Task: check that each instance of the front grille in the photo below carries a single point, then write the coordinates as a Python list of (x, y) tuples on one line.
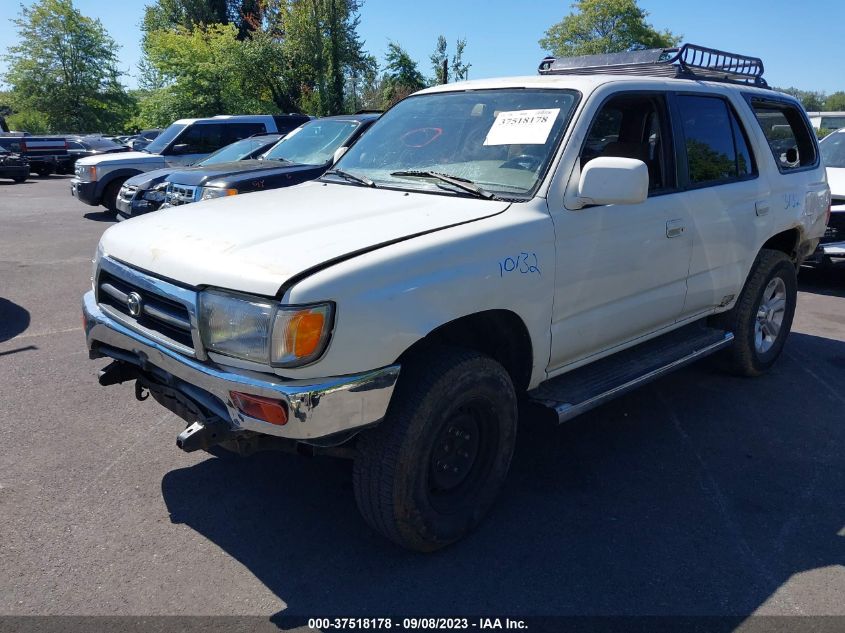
[(179, 194), (167, 318), (127, 193), (835, 228)]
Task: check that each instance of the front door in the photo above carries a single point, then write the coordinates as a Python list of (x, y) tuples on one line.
[(621, 270)]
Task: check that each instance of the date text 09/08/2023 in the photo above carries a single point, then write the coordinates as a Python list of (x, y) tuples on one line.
[(411, 624)]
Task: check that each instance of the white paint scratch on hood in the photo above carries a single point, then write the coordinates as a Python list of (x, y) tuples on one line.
[(255, 242)]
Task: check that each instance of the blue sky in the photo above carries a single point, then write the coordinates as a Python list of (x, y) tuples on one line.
[(802, 45)]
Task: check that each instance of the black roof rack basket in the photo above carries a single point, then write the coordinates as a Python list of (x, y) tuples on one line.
[(690, 61)]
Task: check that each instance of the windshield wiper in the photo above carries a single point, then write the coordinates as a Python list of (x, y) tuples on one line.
[(456, 181), (350, 177)]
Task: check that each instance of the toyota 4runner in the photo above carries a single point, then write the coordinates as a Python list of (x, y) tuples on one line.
[(561, 238)]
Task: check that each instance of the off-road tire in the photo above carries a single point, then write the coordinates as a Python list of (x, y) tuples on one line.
[(20, 180), (743, 358), (398, 488)]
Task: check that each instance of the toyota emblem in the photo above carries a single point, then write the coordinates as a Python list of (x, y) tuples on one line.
[(133, 302)]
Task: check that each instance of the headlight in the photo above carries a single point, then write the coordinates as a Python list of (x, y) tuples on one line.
[(156, 194), (86, 173), (207, 193), (261, 330)]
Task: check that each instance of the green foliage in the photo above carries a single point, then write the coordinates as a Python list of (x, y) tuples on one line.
[(63, 70), (401, 76), (811, 100), (457, 71), (29, 121), (835, 102), (822, 132), (604, 26)]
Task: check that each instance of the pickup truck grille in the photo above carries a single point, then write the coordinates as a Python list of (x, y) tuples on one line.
[(140, 305), (835, 228), (179, 194)]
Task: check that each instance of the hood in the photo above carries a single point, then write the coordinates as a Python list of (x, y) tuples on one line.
[(150, 179), (233, 170), (122, 158), (836, 180), (256, 242)]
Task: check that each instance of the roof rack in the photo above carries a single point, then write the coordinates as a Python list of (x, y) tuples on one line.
[(690, 61)]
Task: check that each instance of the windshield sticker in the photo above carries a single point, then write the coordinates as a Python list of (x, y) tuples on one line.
[(522, 127)]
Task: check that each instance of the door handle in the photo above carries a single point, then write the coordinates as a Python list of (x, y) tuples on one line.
[(675, 228), (761, 207)]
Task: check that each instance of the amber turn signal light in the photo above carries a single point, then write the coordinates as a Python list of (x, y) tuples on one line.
[(267, 409)]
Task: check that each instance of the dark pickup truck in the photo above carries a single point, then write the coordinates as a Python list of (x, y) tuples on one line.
[(304, 154), (46, 155)]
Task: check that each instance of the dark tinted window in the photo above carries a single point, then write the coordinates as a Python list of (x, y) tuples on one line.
[(203, 138), (237, 131), (793, 144), (715, 145)]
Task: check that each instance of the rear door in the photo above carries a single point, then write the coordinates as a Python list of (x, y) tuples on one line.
[(727, 200)]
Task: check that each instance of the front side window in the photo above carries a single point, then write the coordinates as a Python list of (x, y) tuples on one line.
[(716, 148), (833, 150), (313, 143), (792, 143), (236, 151), (501, 140), (201, 138), (634, 126)]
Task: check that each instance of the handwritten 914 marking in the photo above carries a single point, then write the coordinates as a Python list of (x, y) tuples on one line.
[(523, 263)]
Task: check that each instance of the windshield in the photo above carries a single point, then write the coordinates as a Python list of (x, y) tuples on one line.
[(236, 151), (100, 143), (313, 143), (164, 139), (833, 149), (501, 140)]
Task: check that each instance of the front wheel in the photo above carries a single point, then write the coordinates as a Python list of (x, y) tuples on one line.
[(762, 317), (110, 195), (428, 474)]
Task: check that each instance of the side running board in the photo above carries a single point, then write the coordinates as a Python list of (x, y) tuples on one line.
[(582, 389)]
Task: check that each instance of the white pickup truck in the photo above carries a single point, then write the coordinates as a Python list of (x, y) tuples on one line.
[(562, 238)]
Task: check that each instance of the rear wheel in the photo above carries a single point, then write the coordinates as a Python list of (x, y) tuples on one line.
[(43, 172), (762, 317), (428, 474)]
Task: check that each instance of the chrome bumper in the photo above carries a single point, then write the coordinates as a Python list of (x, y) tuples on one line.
[(316, 407)]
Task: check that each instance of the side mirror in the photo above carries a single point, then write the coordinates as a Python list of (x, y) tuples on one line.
[(340, 151), (181, 148), (613, 180)]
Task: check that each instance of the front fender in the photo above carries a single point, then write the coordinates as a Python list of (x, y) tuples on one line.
[(390, 298), (111, 176)]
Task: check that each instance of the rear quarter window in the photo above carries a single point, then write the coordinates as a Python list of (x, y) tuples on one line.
[(792, 142)]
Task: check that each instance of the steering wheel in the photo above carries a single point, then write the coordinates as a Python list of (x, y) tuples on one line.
[(523, 161)]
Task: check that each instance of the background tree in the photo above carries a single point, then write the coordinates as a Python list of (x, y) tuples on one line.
[(401, 76), (63, 71), (811, 100), (835, 102), (605, 26), (458, 71)]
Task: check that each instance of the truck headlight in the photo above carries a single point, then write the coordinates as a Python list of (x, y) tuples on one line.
[(209, 193), (156, 194), (86, 173), (261, 330)]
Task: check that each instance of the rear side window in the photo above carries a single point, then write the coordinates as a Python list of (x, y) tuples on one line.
[(716, 148), (237, 131), (792, 143)]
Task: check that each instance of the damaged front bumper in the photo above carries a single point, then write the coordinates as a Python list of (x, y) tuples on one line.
[(317, 408)]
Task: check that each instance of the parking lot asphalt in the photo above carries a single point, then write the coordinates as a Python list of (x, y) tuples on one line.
[(698, 494)]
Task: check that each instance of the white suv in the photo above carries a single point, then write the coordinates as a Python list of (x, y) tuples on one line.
[(99, 178), (561, 238)]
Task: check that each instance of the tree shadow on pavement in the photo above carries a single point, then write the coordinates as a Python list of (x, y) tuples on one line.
[(700, 494), (13, 319)]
